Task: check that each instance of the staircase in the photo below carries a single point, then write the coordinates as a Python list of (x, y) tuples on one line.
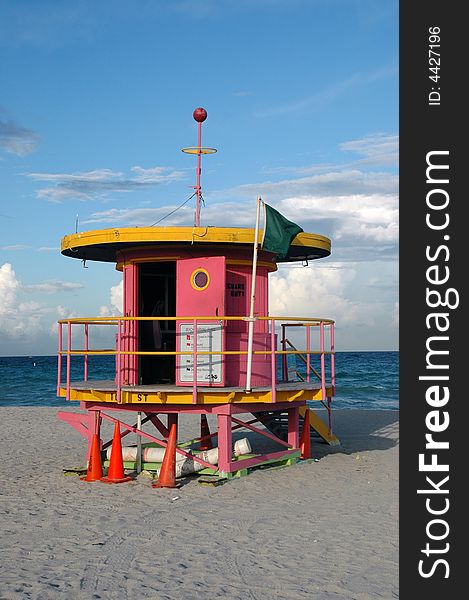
[(278, 425)]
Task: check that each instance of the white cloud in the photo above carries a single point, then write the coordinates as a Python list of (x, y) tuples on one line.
[(63, 312), (378, 149), (23, 323), (364, 321), (17, 319), (371, 217), (312, 292), (333, 183), (329, 93), (156, 174), (53, 286), (15, 247), (116, 300), (117, 297), (97, 184), (9, 285), (17, 140)]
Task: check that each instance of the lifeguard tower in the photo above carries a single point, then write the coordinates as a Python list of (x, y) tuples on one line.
[(195, 337)]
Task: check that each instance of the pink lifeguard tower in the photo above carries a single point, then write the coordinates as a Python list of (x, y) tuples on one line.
[(184, 345)]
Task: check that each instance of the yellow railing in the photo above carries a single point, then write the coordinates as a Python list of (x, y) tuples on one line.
[(124, 324)]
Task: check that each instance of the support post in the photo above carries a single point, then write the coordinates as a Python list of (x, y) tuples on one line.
[(139, 443), (225, 442), (293, 425), (172, 420), (253, 297), (198, 189)]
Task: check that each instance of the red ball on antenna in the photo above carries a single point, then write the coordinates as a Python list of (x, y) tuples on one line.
[(200, 114)]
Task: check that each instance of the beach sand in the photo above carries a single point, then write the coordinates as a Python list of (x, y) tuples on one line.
[(320, 530)]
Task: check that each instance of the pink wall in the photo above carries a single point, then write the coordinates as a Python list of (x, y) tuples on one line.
[(236, 286)]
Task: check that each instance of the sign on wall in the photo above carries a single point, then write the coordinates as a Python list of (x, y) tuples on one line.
[(209, 366)]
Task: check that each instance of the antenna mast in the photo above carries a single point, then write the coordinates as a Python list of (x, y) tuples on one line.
[(199, 114)]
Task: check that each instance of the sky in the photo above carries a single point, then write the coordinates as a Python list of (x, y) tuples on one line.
[(96, 104)]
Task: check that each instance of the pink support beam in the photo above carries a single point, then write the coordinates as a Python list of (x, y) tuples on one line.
[(158, 424), (225, 442), (86, 425), (124, 433), (256, 460), (293, 426), (160, 442), (266, 434)]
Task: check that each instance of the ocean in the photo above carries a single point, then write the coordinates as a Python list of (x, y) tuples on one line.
[(363, 379)]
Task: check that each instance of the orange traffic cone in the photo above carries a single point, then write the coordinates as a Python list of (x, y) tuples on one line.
[(305, 440), (204, 430), (115, 472), (167, 476), (95, 469)]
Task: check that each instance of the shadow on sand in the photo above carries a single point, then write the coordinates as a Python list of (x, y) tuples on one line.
[(358, 431)]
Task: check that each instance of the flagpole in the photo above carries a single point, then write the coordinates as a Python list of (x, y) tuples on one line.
[(251, 318)]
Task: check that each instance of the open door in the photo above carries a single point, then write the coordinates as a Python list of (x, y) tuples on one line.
[(157, 298), (200, 292)]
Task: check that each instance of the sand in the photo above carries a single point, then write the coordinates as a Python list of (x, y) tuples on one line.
[(321, 530)]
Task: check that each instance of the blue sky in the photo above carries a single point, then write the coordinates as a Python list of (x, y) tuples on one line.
[(97, 101)]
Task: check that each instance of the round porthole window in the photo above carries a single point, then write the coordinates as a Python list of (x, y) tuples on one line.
[(200, 279)]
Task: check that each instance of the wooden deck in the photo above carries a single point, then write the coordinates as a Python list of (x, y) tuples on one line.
[(106, 391)]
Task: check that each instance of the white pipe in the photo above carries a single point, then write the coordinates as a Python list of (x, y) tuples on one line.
[(130, 454), (253, 297), (186, 466)]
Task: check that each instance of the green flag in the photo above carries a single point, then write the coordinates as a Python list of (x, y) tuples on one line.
[(278, 232)]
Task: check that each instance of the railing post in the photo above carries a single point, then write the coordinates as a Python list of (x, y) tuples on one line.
[(194, 364), (323, 370), (273, 360), (118, 363), (308, 352), (284, 356), (329, 411), (69, 347), (59, 359), (85, 367)]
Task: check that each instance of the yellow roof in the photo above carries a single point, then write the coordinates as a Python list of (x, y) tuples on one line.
[(103, 244)]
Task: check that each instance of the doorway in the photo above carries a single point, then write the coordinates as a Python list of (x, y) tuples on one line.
[(157, 297)]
